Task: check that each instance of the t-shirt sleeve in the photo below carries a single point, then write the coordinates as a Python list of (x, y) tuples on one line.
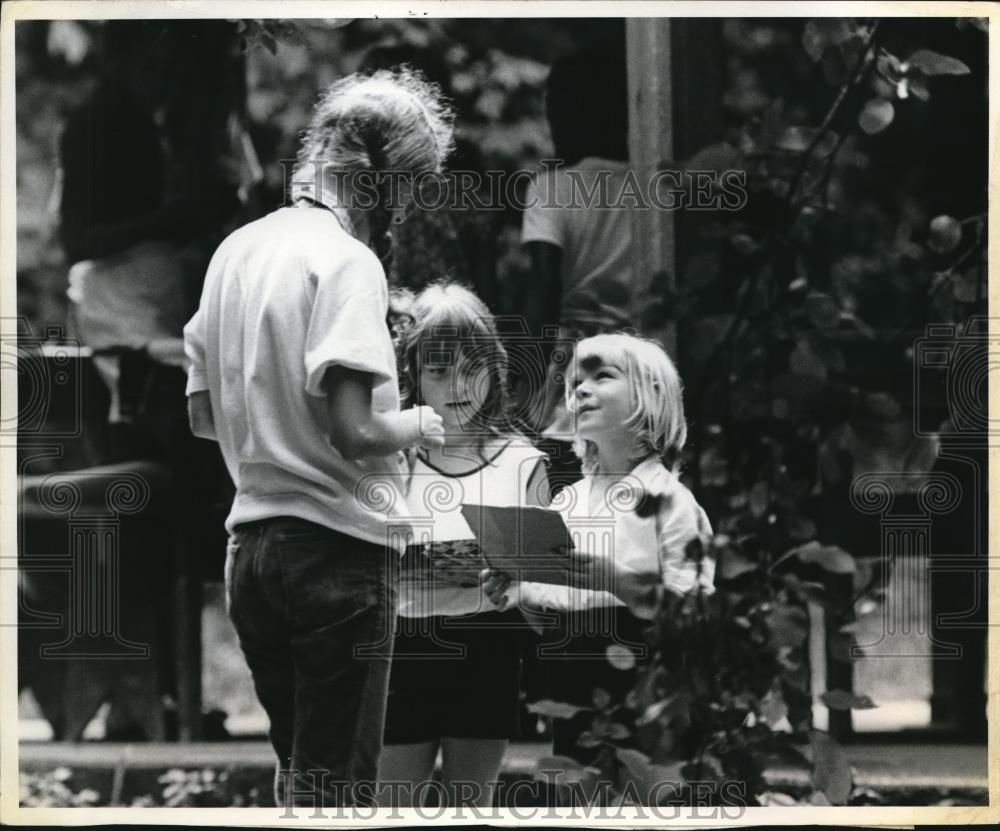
[(194, 349), (347, 324), (541, 221)]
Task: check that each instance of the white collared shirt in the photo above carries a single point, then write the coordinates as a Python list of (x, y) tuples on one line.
[(612, 528)]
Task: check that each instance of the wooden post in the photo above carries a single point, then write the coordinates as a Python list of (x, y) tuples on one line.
[(651, 129), (675, 87)]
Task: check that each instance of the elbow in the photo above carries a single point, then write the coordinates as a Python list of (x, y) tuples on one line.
[(202, 429), (352, 442)]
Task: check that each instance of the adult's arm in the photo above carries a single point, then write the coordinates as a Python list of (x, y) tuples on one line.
[(543, 294), (355, 430), (200, 417)]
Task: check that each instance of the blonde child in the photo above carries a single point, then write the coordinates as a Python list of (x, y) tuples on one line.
[(625, 397), (454, 684)]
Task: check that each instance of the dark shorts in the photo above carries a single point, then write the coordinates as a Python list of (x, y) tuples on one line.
[(455, 677)]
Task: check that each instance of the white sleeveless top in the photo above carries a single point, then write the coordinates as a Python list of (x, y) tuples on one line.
[(435, 501)]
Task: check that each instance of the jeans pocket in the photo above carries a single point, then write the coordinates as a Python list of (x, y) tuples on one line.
[(232, 550)]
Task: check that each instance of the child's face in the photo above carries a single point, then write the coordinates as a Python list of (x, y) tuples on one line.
[(456, 390), (602, 398)]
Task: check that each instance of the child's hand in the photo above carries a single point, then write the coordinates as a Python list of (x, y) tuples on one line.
[(496, 586), (637, 589), (431, 427)]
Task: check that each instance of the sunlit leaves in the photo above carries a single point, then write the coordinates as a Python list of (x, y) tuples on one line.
[(831, 558), (945, 234), (562, 770), (799, 139), (876, 115), (788, 625), (620, 657), (934, 63), (823, 32), (554, 709), (841, 700)]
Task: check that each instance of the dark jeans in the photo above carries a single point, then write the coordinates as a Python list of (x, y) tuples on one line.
[(315, 610)]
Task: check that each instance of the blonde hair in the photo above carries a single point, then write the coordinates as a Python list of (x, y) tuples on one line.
[(390, 121), (655, 392)]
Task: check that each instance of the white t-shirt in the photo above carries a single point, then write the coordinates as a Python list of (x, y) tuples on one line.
[(435, 501), (613, 529), (564, 207), (285, 298)]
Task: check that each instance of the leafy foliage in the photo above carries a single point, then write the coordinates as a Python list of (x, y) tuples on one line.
[(785, 307)]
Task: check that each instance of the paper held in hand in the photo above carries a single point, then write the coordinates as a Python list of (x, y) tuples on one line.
[(530, 544)]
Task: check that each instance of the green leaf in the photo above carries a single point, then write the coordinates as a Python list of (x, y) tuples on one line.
[(945, 234), (883, 405), (618, 732), (876, 115), (777, 799), (773, 707), (645, 773), (732, 564), (567, 771), (831, 771), (918, 87), (744, 244), (718, 157), (804, 361), (822, 32), (789, 626), (554, 709), (823, 310), (587, 739), (759, 499), (841, 700), (798, 140), (654, 711), (601, 698), (934, 63), (800, 528), (965, 286), (831, 558)]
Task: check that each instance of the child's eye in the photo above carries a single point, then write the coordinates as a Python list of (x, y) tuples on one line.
[(602, 374)]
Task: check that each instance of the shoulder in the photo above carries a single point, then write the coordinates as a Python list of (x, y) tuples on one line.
[(323, 250), (681, 510), (324, 246)]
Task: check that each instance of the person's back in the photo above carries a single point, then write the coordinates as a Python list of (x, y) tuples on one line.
[(577, 208), (287, 296)]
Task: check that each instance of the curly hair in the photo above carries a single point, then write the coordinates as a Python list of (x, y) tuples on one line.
[(450, 321), (389, 121)]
